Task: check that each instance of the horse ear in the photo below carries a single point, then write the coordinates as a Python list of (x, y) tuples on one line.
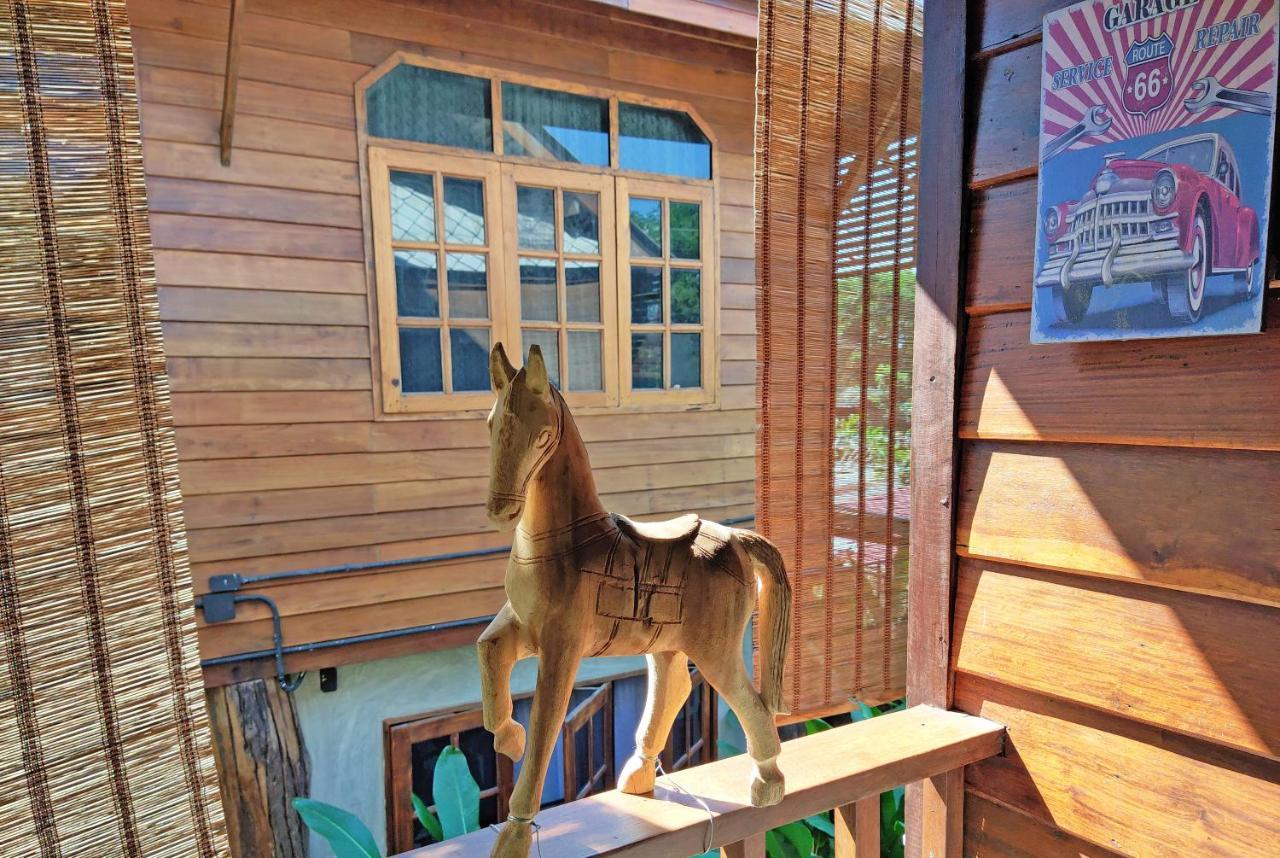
[(535, 372), (500, 369)]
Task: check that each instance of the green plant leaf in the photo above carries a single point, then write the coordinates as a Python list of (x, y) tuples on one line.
[(427, 818), (822, 822), (815, 725), (862, 712), (798, 836), (347, 836), (774, 848), (456, 793)]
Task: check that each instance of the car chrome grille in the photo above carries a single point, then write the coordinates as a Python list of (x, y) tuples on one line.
[(1097, 225)]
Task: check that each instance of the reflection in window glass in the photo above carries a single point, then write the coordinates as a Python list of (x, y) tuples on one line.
[(581, 223), (538, 290), (469, 353), (686, 296), (420, 369), (562, 126), (686, 230), (536, 218), (468, 285), (549, 342), (662, 141), (686, 360), (646, 360), (413, 206), (585, 361), (582, 290), (646, 295), (646, 227), (417, 283), (431, 106), (463, 211)]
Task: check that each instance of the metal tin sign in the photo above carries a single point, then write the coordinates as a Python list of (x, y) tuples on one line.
[(1156, 127)]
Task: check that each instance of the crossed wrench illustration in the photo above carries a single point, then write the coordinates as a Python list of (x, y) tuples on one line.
[(1094, 121), (1209, 93)]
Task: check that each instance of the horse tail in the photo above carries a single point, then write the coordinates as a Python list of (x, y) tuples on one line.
[(775, 616)]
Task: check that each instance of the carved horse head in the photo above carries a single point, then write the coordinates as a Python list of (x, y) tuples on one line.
[(524, 427)]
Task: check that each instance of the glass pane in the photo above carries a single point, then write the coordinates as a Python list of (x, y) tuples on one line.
[(413, 206), (549, 342), (662, 141), (686, 230), (469, 351), (538, 302), (431, 106), (581, 222), (646, 360), (686, 360), (420, 369), (646, 295), (468, 279), (417, 283), (561, 126), (584, 361), (646, 227), (686, 296), (536, 217), (463, 211), (582, 290)]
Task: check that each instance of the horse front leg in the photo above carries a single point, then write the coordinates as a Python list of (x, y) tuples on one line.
[(557, 668), (499, 648)]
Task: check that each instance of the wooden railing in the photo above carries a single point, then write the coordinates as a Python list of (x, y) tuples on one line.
[(845, 768)]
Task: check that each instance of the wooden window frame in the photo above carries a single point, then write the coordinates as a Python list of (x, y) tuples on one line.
[(398, 740), (390, 403)]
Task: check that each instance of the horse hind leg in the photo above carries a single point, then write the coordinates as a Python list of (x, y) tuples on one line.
[(669, 687), (728, 675)]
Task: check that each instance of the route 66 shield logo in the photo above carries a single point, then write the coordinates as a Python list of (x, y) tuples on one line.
[(1148, 79)]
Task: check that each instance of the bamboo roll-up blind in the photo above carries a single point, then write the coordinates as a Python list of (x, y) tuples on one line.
[(838, 100), (104, 743)]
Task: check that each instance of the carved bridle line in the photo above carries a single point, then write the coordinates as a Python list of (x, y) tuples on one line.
[(557, 434)]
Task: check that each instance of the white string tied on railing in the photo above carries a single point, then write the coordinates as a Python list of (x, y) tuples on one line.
[(710, 837)]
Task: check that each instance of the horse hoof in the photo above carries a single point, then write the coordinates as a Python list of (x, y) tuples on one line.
[(637, 776), (509, 740), (513, 841), (766, 793)]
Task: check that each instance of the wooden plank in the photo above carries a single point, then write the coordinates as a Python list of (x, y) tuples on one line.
[(752, 847), (269, 169), (1004, 23), (230, 374), (227, 339), (1006, 117), (232, 442), (198, 89), (858, 829), (230, 82), (221, 199), (1119, 784), (999, 265), (1116, 645), (209, 21), (194, 304), (219, 409), (994, 831), (238, 271), (823, 770), (231, 235), (1188, 519), (938, 333), (1193, 392), (178, 124)]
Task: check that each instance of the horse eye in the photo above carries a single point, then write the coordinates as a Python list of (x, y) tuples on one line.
[(544, 438)]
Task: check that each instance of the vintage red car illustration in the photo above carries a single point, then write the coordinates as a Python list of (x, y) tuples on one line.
[(1171, 217)]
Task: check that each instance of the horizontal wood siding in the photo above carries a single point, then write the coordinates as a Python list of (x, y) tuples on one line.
[(1118, 532), (266, 315)]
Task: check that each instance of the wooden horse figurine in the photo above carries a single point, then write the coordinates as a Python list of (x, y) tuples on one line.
[(583, 582)]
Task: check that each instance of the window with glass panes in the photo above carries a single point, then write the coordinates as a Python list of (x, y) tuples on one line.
[(516, 211)]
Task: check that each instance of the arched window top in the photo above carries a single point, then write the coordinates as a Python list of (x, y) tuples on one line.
[(417, 103)]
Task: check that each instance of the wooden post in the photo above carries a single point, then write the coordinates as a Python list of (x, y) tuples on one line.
[(858, 829), (752, 847), (934, 812), (262, 767), (231, 81)]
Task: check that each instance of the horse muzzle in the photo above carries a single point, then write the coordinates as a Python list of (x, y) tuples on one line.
[(504, 510)]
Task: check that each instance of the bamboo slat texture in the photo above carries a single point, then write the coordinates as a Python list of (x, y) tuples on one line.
[(838, 114), (104, 743)]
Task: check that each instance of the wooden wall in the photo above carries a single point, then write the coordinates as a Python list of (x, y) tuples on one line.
[(263, 295), (1118, 593)]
